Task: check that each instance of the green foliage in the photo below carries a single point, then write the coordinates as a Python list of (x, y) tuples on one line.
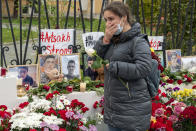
[(60, 86), (169, 26)]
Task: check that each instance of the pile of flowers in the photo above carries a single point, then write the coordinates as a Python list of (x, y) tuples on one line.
[(67, 86), (174, 109), (178, 77), (5, 116), (54, 112), (98, 105)]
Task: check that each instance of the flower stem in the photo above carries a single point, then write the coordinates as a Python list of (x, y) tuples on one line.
[(124, 85)]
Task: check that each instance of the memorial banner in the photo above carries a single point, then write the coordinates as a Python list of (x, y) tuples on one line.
[(57, 41), (156, 42), (90, 38)]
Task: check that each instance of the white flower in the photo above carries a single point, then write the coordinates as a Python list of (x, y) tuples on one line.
[(39, 104), (84, 120), (66, 102), (65, 79), (59, 105), (90, 51), (63, 97), (194, 92), (53, 120), (99, 116), (26, 120)]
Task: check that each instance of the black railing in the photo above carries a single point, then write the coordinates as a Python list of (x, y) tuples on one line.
[(182, 30)]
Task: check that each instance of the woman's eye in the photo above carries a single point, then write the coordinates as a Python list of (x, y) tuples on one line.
[(110, 19)]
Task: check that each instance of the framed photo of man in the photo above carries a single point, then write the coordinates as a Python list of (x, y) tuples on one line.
[(161, 56), (88, 70), (70, 66), (173, 60), (49, 68), (28, 73), (189, 63)]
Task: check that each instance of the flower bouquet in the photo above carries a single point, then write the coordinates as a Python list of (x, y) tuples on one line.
[(54, 113), (66, 87), (174, 110)]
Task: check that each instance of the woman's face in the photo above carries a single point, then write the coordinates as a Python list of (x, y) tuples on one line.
[(111, 18)]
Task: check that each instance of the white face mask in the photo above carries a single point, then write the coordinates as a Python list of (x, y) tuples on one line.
[(119, 29)]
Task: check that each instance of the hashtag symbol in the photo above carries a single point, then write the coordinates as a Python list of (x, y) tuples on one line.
[(42, 36)]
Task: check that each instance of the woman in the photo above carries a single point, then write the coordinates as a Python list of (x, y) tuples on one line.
[(127, 104)]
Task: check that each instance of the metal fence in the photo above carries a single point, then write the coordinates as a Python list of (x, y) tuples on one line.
[(174, 19)]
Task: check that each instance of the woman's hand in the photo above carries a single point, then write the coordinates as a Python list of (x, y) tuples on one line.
[(107, 65), (109, 32)]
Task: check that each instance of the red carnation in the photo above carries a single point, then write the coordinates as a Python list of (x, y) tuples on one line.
[(80, 123), (157, 98), (102, 112), (24, 104), (194, 87), (185, 76), (32, 130), (55, 92), (170, 81), (102, 84), (159, 91), (46, 87), (84, 109), (49, 96), (97, 86), (168, 111), (163, 94), (3, 107), (189, 79), (170, 101), (69, 88), (179, 82), (160, 67), (95, 104), (61, 129), (162, 75), (27, 87)]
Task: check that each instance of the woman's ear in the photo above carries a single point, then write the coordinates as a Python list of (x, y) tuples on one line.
[(124, 19)]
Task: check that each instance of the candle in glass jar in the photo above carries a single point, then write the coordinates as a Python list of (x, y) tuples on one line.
[(82, 87), (19, 81)]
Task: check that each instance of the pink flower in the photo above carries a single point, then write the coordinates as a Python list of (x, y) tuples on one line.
[(177, 110), (159, 112), (92, 128), (173, 118), (181, 104)]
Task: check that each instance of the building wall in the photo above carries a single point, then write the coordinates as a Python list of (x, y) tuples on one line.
[(4, 8), (63, 6)]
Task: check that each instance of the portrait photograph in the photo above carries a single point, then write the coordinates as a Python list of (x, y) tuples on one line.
[(189, 63), (88, 71), (49, 68), (173, 60), (161, 57), (28, 73), (70, 66)]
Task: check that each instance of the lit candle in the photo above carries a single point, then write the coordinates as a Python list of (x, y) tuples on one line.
[(19, 81), (82, 87)]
